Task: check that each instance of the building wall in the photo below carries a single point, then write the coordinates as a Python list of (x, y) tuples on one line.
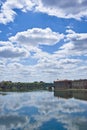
[(62, 84), (79, 84), (69, 84)]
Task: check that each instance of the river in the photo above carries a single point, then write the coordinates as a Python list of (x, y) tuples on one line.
[(41, 110)]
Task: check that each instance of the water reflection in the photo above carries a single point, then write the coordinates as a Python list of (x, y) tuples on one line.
[(78, 94), (41, 111)]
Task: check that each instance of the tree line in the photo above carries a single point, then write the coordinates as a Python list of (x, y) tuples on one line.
[(20, 86)]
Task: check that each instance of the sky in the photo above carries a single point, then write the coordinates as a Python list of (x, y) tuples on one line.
[(43, 40)]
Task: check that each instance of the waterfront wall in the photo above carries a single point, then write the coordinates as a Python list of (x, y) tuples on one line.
[(79, 84), (62, 84), (70, 84)]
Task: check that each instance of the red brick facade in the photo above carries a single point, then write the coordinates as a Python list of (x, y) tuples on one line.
[(69, 84)]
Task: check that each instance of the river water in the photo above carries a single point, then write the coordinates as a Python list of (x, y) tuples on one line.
[(41, 110)]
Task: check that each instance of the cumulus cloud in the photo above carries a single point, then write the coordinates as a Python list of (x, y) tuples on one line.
[(5, 43), (67, 59), (76, 43), (36, 64), (7, 13), (21, 45), (59, 8), (37, 36), (12, 52), (9, 50), (65, 9)]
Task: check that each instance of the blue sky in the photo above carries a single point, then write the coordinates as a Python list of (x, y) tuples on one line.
[(42, 40)]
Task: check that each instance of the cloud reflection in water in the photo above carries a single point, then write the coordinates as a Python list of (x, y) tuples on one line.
[(33, 110)]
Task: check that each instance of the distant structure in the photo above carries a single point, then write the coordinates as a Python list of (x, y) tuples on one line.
[(70, 84), (79, 84)]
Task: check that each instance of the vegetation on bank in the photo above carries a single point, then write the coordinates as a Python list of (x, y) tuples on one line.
[(19, 86)]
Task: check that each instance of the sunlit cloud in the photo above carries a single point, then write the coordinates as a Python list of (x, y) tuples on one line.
[(37, 36)]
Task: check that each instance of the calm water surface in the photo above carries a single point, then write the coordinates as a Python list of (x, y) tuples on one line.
[(41, 111)]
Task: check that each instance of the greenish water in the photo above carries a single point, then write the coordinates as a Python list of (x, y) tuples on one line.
[(41, 110)]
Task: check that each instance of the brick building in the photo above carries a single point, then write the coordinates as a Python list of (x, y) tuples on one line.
[(62, 84), (70, 84)]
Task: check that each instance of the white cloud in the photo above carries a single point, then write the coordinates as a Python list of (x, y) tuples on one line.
[(76, 43), (5, 43), (65, 9), (24, 43), (7, 13), (66, 62), (12, 52), (37, 36), (9, 50)]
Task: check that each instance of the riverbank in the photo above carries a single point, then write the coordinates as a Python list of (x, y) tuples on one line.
[(19, 86)]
